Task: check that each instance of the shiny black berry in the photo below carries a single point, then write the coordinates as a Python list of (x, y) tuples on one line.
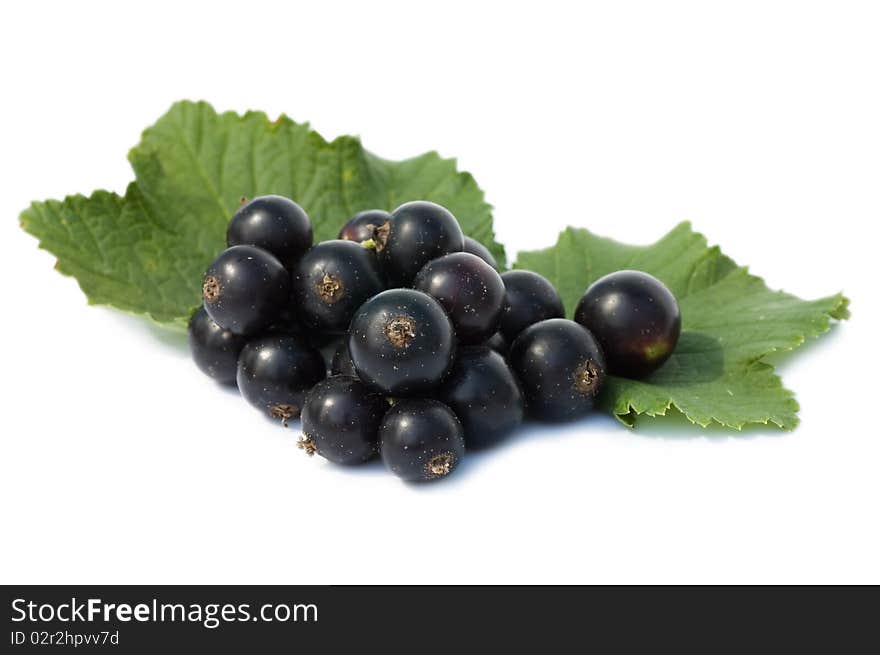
[(401, 342), (635, 318), (273, 223), (416, 233), (485, 396), (529, 298), (470, 291), (476, 248), (341, 363), (275, 371), (362, 226), (214, 350), (421, 440), (331, 281), (340, 420), (560, 367), (245, 289)]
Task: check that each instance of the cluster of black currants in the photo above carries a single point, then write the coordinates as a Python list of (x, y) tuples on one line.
[(432, 350)]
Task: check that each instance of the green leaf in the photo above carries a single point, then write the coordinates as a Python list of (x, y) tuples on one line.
[(731, 322), (145, 252)]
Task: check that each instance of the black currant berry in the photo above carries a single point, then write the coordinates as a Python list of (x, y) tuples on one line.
[(275, 371), (214, 350), (401, 342), (529, 298), (498, 343), (470, 291), (635, 318), (340, 420), (341, 363), (485, 396), (474, 247), (245, 289), (273, 223), (416, 233), (420, 440), (560, 367), (331, 281), (362, 227)]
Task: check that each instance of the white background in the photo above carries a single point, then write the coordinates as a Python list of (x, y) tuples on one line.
[(758, 121)]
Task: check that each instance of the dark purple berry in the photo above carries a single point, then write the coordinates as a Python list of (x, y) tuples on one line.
[(275, 371), (485, 396), (420, 440), (529, 298), (340, 420), (331, 281), (560, 367), (245, 289), (362, 226), (470, 291), (416, 233), (636, 320), (273, 223), (214, 350), (476, 248), (401, 342)]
